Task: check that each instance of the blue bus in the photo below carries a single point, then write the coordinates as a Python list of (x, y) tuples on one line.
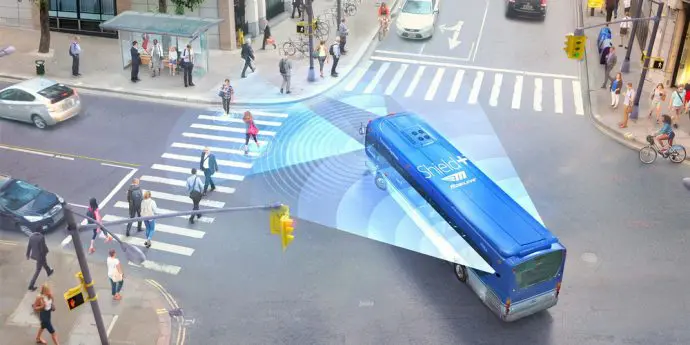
[(527, 260)]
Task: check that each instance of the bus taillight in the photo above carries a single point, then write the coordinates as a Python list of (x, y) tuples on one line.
[(507, 306), (558, 288)]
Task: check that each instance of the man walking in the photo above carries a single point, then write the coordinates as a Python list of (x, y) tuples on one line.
[(188, 65), (38, 251), (611, 61), (285, 67), (209, 166), (248, 55), (297, 6), (136, 61), (134, 198), (334, 51), (75, 52), (194, 186), (342, 33)]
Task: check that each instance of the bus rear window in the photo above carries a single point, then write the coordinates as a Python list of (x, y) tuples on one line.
[(56, 93), (539, 269)]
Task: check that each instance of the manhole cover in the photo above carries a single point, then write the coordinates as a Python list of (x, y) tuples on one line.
[(590, 258)]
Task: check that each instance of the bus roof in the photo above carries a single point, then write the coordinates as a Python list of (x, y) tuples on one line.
[(427, 155)]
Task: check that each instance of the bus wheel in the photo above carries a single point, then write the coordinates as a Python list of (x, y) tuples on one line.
[(461, 273), (380, 181)]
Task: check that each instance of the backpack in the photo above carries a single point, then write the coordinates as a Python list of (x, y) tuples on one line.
[(137, 196), (331, 51), (281, 66)]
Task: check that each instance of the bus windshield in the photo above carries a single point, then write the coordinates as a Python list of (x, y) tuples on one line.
[(539, 269)]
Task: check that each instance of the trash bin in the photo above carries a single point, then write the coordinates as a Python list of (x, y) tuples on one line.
[(40, 67)]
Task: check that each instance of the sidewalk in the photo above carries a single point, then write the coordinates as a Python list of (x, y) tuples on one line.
[(138, 319), (604, 116), (101, 64)]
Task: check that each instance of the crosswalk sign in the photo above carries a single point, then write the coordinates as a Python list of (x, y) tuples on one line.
[(74, 297)]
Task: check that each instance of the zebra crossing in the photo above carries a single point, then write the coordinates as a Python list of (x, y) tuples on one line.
[(498, 88), (175, 238)]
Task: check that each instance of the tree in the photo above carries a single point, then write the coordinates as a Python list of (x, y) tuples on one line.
[(162, 6), (44, 43), (180, 5)]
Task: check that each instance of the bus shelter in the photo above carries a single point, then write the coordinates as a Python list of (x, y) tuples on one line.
[(172, 31)]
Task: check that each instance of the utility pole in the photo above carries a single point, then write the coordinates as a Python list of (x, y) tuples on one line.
[(311, 75), (645, 66), (625, 68), (339, 15)]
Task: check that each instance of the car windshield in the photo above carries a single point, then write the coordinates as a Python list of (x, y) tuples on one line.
[(417, 7), (539, 269), (17, 194), (56, 92)]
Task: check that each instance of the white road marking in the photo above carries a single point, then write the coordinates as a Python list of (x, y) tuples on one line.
[(229, 129), (195, 159), (577, 94), (389, 52), (77, 205), (185, 199), (64, 157), (188, 171), (27, 151), (154, 266), (182, 183), (455, 88), (377, 78), (217, 138), (481, 31), (213, 149), (267, 114), (476, 87), (112, 324), (538, 87), (175, 230), (224, 118), (496, 89), (396, 79), (415, 81), (558, 95), (517, 91), (116, 166), (162, 246), (435, 83), (361, 71), (123, 205)]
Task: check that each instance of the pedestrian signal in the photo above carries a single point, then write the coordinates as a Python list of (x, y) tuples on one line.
[(286, 229), (74, 297)]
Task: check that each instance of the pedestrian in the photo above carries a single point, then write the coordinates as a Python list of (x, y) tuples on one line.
[(172, 60), (296, 6), (136, 61), (626, 6), (610, 6), (156, 58), (677, 104), (226, 94), (615, 9), (44, 306), (610, 63), (188, 65), (37, 250), (247, 55), (252, 131), (334, 51), (75, 52), (285, 67), (115, 274), (625, 29), (628, 103), (658, 95), (194, 186), (268, 39), (616, 87), (209, 166), (134, 197), (322, 54), (95, 213), (149, 209), (342, 33)]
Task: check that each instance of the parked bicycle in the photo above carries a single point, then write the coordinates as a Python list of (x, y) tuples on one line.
[(291, 47), (350, 8), (648, 154)]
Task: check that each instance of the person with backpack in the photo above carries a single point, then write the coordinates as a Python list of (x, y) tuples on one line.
[(285, 67), (334, 51), (247, 55), (75, 52), (134, 198)]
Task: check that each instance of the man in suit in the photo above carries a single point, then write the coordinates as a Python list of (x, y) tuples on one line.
[(247, 55), (209, 166), (38, 251), (136, 61), (188, 65)]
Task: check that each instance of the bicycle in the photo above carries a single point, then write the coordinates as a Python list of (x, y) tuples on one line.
[(383, 28), (291, 47), (350, 8), (648, 154)]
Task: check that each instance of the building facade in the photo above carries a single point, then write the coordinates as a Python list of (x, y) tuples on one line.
[(84, 16)]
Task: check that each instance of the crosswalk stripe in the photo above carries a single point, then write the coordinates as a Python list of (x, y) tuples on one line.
[(267, 113), (213, 149), (517, 92), (162, 246), (224, 118), (203, 219), (186, 199), (537, 94), (577, 94), (229, 129), (194, 159), (434, 84), (158, 267), (415, 81), (455, 88), (496, 89), (181, 183), (175, 230), (217, 138), (476, 87), (558, 95), (187, 171), (358, 76), (377, 78), (396, 79)]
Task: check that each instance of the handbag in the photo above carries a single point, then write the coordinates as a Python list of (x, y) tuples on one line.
[(252, 129), (194, 194), (221, 93), (117, 277)]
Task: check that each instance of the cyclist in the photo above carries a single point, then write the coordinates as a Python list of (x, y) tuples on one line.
[(665, 133), (384, 16)]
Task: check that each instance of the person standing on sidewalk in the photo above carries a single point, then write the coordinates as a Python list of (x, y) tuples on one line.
[(616, 87), (628, 102), (657, 97), (247, 55), (136, 61), (285, 67), (611, 61), (156, 58), (252, 131), (37, 250), (115, 274), (149, 209), (75, 52), (188, 65), (677, 104), (194, 186), (610, 8), (322, 54), (297, 6), (44, 306), (226, 92), (334, 51), (134, 197), (625, 29), (209, 166), (342, 33)]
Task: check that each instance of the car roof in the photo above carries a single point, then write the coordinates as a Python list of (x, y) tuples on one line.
[(4, 179), (34, 85)]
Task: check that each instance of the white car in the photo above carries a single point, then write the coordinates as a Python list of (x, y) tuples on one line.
[(416, 19)]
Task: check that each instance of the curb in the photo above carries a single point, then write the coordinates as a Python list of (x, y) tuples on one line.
[(163, 304)]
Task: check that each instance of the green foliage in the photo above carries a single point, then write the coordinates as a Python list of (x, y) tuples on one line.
[(180, 5)]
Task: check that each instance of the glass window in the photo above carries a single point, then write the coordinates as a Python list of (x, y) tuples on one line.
[(7, 95), (539, 269), (108, 7), (56, 92), (417, 7), (67, 5), (683, 74), (90, 6), (17, 194), (23, 96)]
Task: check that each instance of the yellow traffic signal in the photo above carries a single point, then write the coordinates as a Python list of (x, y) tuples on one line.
[(568, 45), (287, 227), (578, 50)]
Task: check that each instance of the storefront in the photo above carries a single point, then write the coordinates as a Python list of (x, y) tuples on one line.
[(82, 16), (681, 70)]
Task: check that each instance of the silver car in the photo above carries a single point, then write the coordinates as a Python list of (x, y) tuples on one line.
[(40, 101)]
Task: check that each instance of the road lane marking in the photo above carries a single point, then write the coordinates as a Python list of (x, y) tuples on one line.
[(358, 75), (455, 88), (185, 199), (182, 183), (175, 230), (225, 118), (60, 155), (558, 95), (213, 149), (229, 129), (125, 206), (577, 93), (78, 205), (517, 92), (415, 81), (217, 138), (267, 113), (195, 159), (155, 266), (112, 324), (481, 31), (390, 52), (476, 87), (162, 246), (496, 89), (396, 79), (187, 171), (538, 87), (434, 84), (377, 78)]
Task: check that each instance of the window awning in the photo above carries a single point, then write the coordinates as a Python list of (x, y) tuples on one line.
[(160, 24)]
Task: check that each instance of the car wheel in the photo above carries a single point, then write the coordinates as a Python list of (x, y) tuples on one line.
[(509, 12), (461, 273), (39, 122), (380, 181), (23, 229)]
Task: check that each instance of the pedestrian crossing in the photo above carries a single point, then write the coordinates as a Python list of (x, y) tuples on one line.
[(543, 93), (175, 238)]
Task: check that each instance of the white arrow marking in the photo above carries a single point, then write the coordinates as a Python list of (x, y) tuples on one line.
[(453, 41)]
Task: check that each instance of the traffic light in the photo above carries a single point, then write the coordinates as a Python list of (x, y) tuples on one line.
[(568, 48), (275, 217), (578, 51), (74, 297), (287, 227)]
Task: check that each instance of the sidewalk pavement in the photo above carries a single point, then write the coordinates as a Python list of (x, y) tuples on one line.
[(607, 118), (140, 318), (101, 64)]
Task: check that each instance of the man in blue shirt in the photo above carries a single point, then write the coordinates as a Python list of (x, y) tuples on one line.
[(194, 188), (75, 52)]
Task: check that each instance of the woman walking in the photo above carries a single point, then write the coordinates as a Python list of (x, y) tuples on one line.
[(94, 213), (226, 93), (44, 305), (149, 209), (616, 87), (628, 101), (156, 58), (658, 95), (322, 54), (115, 274), (677, 104), (252, 131)]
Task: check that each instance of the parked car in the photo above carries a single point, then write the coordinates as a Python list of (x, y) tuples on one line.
[(40, 101), (417, 19), (526, 8), (26, 207)]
